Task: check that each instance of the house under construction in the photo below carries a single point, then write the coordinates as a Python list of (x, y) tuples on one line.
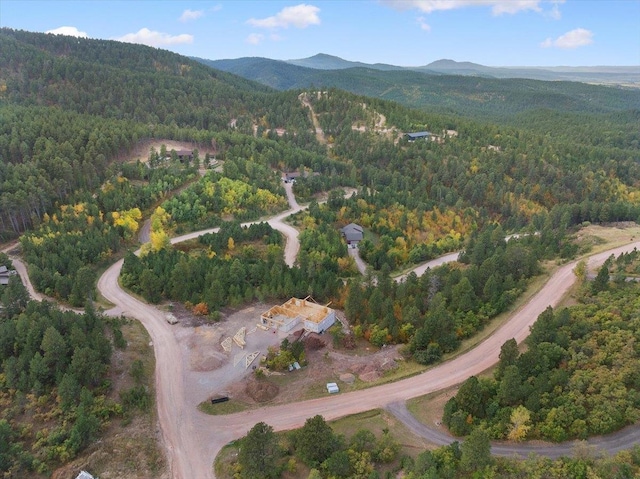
[(313, 316)]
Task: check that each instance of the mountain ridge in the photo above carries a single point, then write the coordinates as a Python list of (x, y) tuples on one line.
[(623, 75)]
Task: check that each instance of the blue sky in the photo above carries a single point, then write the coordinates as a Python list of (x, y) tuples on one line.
[(398, 32)]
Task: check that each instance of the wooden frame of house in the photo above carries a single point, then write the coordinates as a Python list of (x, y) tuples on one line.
[(313, 316)]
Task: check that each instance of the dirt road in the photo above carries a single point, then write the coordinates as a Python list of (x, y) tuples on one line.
[(360, 264), (193, 439), (611, 443), (304, 99)]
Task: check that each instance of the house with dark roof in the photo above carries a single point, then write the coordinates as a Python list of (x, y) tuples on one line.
[(353, 234), (5, 274), (419, 135), (183, 155), (291, 176)]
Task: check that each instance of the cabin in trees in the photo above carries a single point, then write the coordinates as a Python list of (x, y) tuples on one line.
[(291, 177), (184, 155), (313, 316), (419, 135), (353, 234), (5, 274)]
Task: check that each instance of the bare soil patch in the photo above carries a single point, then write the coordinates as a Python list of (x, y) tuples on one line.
[(261, 391), (350, 369), (143, 148), (211, 370)]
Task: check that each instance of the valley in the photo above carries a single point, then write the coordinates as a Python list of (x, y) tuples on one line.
[(440, 221)]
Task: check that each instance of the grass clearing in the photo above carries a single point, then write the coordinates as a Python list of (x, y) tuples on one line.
[(378, 421), (229, 407)]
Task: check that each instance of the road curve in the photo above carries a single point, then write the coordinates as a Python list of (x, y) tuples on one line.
[(611, 443), (443, 376), (193, 439)]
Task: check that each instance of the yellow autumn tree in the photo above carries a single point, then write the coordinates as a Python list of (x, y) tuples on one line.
[(158, 236), (159, 240), (520, 423), (129, 220)]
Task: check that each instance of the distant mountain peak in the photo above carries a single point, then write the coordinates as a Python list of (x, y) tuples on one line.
[(453, 65), (323, 61)]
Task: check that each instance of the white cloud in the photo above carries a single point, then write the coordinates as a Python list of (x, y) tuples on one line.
[(299, 16), (155, 39), (70, 31), (555, 10), (498, 7), (255, 38), (579, 37), (423, 24), (188, 15), (216, 8)]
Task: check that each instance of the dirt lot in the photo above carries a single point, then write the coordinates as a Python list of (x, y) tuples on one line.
[(142, 149), (212, 370)]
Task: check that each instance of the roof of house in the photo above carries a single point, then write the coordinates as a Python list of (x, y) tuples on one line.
[(84, 475), (184, 152), (418, 134), (352, 232), (4, 275)]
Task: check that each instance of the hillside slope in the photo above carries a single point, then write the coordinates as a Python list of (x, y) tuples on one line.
[(443, 86)]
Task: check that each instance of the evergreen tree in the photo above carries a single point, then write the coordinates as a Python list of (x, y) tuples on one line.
[(315, 441), (259, 453)]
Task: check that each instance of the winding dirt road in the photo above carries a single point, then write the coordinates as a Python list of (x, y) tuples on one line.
[(193, 439), (611, 443)]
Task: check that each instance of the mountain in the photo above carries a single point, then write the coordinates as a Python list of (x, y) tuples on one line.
[(88, 77), (457, 87), (322, 61), (274, 73), (606, 75)]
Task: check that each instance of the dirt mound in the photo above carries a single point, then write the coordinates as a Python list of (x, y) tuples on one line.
[(261, 391), (349, 341), (347, 378), (207, 361), (314, 342)]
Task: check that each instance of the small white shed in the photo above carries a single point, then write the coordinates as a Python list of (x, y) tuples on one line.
[(333, 388)]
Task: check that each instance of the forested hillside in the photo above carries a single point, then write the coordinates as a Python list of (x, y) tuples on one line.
[(73, 109), (479, 96)]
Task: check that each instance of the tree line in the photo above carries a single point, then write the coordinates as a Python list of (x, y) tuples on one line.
[(577, 377), (53, 367)]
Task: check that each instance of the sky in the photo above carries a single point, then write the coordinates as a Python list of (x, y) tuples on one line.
[(397, 32)]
